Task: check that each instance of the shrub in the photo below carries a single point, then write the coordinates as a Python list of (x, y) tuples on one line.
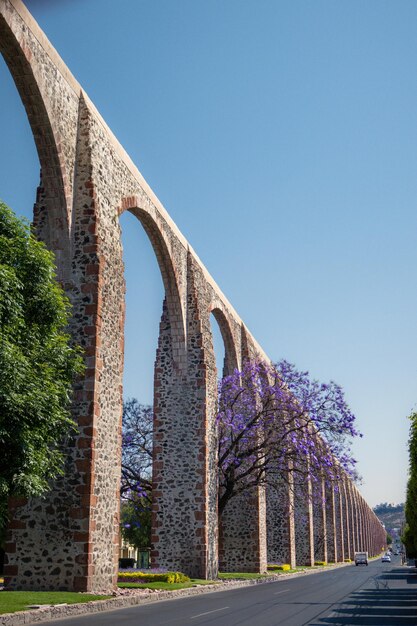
[(283, 568), (320, 563), (146, 577), (347, 560)]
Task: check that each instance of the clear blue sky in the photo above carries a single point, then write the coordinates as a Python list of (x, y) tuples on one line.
[(281, 136)]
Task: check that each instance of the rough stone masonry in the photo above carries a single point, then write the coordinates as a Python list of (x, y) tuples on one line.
[(69, 540)]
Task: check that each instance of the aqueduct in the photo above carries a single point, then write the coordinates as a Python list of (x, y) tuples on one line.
[(69, 540)]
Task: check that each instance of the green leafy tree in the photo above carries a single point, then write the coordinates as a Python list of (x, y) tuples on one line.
[(409, 537), (384, 507), (38, 364), (135, 522)]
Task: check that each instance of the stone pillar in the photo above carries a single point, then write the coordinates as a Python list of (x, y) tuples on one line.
[(339, 516), (280, 522), (365, 524), (242, 541), (357, 517), (369, 529), (303, 521), (347, 538), (379, 535), (242, 526), (372, 529), (320, 521), (69, 539), (332, 540), (361, 523), (185, 444), (369, 514), (352, 518), (374, 535)]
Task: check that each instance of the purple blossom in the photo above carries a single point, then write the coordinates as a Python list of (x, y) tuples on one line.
[(273, 420)]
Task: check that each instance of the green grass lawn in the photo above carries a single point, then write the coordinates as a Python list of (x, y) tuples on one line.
[(167, 586), (12, 601)]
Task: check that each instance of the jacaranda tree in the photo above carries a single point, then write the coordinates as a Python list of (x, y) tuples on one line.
[(275, 422), (136, 480), (38, 364), (137, 437)]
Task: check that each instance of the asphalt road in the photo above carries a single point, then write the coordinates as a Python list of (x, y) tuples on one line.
[(382, 594)]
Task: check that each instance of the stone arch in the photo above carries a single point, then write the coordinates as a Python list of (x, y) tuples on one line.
[(230, 351), (51, 211)]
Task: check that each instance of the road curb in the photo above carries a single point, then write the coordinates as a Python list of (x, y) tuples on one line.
[(46, 614)]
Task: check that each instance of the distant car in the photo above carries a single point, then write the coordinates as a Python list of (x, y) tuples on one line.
[(396, 553), (361, 558), (386, 558)]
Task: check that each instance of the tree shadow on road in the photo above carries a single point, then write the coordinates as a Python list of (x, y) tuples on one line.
[(408, 576), (379, 606)]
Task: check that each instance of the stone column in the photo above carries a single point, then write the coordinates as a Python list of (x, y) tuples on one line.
[(368, 528), (347, 537), (357, 516), (69, 539), (332, 539), (352, 518), (242, 541), (320, 522), (364, 524), (372, 529), (370, 515), (280, 522), (242, 527), (379, 535), (361, 523), (339, 516), (185, 443), (303, 520)]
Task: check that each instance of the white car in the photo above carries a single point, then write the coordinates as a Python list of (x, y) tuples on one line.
[(386, 558)]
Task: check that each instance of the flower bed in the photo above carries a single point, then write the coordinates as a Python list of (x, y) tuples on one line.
[(284, 567), (137, 576)]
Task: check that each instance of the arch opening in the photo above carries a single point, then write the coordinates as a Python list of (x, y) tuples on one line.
[(218, 347), (168, 274), (144, 297), (19, 161), (49, 211), (150, 289), (223, 344)]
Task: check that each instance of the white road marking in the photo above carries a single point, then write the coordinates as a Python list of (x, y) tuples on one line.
[(283, 591), (208, 612)]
